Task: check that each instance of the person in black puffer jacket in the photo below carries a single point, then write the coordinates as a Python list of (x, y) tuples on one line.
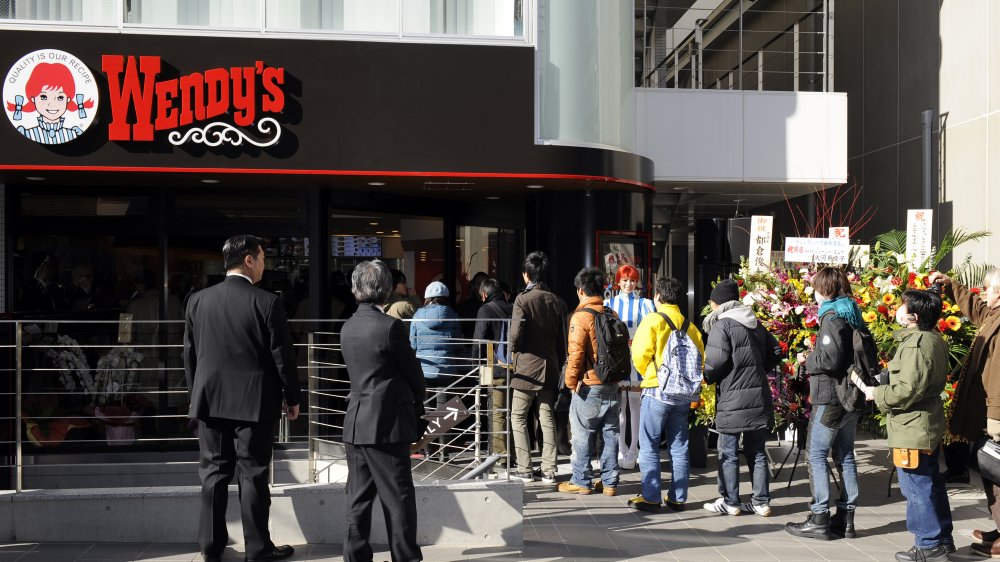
[(831, 427), (739, 354)]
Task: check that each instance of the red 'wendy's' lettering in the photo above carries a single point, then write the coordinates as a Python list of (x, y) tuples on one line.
[(274, 101), (129, 92), (177, 102)]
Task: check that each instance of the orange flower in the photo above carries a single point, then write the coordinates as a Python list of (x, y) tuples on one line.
[(954, 322), (888, 299)]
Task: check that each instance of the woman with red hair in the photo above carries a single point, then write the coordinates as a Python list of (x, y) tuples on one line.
[(51, 91), (631, 308)]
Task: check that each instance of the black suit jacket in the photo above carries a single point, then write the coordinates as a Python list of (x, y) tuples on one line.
[(238, 355), (387, 385)]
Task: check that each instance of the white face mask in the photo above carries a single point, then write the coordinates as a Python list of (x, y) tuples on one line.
[(905, 319)]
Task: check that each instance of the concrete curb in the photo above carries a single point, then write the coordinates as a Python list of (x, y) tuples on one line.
[(463, 513)]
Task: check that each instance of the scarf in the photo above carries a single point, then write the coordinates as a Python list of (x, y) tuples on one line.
[(846, 308), (709, 321)]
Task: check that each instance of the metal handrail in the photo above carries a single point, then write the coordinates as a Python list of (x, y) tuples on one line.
[(688, 53), (80, 396)]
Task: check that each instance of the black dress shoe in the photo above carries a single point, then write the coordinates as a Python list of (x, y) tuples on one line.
[(935, 554), (276, 553), (208, 558)]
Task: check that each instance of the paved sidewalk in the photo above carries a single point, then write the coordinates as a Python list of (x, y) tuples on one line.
[(563, 527)]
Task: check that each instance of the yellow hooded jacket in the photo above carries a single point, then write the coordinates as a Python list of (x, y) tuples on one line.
[(651, 338)]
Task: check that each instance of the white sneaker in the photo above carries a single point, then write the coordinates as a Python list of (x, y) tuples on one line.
[(720, 506), (762, 510), (628, 462)]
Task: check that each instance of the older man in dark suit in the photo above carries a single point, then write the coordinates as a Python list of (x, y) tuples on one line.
[(239, 363), (383, 418)]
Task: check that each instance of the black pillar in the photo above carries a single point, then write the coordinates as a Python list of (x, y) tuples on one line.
[(319, 254), (564, 226)]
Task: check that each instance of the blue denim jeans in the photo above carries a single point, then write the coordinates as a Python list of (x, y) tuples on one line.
[(729, 466), (928, 513), (595, 408), (657, 418), (836, 435)]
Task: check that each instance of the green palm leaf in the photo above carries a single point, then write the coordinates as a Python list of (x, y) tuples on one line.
[(893, 241), (953, 239)]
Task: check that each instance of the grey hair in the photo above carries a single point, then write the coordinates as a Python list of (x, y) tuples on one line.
[(992, 278), (371, 282)]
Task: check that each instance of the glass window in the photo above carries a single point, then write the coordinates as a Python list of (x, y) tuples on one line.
[(91, 12), (492, 251), (411, 244), (486, 18), (362, 16), (585, 93), (88, 381), (240, 14)]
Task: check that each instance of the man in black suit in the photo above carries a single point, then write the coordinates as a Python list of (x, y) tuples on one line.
[(382, 419), (239, 362)]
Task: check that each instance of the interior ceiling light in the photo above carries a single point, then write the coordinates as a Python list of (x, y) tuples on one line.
[(379, 232), (35, 178), (209, 181), (534, 186), (680, 189), (448, 186), (373, 223), (492, 197), (376, 183)]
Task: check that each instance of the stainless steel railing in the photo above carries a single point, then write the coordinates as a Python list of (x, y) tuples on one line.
[(736, 45), (111, 396)]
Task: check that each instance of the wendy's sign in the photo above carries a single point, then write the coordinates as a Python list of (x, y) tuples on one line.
[(192, 99), (50, 96)]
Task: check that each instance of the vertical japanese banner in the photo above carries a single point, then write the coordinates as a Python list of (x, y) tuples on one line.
[(918, 237), (761, 227), (840, 232)]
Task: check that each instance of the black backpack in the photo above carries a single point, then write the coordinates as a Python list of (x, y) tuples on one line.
[(863, 360), (614, 360)]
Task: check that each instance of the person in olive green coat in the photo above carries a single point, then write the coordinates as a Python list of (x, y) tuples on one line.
[(912, 402)]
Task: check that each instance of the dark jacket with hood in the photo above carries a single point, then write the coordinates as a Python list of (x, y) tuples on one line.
[(830, 359), (739, 354)]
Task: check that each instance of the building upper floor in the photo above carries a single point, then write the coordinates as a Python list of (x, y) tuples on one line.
[(475, 21)]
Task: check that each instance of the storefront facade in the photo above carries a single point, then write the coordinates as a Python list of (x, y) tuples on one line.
[(335, 151)]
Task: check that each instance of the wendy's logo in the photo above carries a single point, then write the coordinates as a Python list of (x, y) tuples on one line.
[(50, 96)]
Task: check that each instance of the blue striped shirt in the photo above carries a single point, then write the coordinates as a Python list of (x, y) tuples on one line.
[(631, 308), (50, 133)]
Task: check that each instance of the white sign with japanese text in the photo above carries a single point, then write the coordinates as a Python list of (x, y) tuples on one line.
[(918, 237), (761, 227), (817, 250)]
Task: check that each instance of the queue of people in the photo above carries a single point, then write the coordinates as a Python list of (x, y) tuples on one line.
[(546, 348)]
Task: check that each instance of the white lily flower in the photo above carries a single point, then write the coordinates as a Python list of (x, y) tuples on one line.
[(884, 285), (748, 299), (808, 290)]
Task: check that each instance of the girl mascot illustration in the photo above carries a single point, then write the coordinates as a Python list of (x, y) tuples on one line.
[(631, 308), (50, 91)]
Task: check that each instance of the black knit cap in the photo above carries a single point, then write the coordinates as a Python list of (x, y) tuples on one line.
[(725, 291)]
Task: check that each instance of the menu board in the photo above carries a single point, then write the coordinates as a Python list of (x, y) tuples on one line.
[(355, 246)]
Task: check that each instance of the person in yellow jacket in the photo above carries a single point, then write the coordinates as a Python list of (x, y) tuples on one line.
[(659, 415)]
